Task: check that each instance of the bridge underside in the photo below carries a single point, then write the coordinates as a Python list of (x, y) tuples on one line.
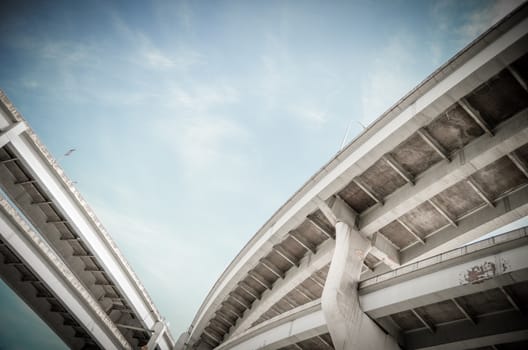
[(44, 215), (456, 169), (38, 296), (57, 256), (477, 298)]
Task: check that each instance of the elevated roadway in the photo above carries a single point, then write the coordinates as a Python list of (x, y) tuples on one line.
[(467, 298), (57, 256), (445, 165)]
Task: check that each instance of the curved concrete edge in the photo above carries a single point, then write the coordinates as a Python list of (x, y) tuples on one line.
[(294, 277), (30, 145), (515, 238), (481, 222), (505, 267), (470, 61), (510, 246), (301, 323), (60, 279)]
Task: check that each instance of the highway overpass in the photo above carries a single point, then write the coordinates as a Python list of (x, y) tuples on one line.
[(442, 167), (466, 298), (57, 256)]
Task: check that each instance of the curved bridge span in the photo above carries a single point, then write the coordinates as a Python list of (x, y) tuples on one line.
[(57, 256), (445, 165)]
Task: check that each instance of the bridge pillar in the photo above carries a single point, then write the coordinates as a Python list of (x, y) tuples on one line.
[(350, 328), (159, 328)]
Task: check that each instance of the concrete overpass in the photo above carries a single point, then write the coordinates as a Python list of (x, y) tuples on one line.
[(470, 297), (443, 166), (57, 256)]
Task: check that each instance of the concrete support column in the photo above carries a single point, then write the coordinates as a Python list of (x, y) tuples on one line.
[(159, 328), (349, 326)]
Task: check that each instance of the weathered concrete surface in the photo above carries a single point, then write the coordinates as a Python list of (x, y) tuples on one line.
[(349, 326)]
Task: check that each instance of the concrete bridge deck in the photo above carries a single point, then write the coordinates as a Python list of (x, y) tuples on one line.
[(471, 297), (442, 167), (57, 256)]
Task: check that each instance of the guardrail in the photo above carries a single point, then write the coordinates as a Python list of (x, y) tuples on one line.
[(449, 255)]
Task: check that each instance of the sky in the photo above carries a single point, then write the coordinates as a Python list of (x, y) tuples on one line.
[(193, 121)]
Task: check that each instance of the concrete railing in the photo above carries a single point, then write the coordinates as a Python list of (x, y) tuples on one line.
[(446, 256)]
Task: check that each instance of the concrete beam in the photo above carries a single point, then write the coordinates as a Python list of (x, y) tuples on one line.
[(485, 220), (432, 286), (389, 159), (385, 251), (485, 58), (470, 227), (343, 213), (411, 231), (12, 131), (476, 155), (272, 268), (442, 212), (431, 141), (349, 327), (382, 249), (475, 115), (479, 192), (326, 210), (369, 191), (303, 243), (292, 278), (321, 229), (157, 332), (519, 163), (293, 326), (58, 278), (73, 208), (286, 255), (464, 311), (518, 77), (491, 330), (248, 290)]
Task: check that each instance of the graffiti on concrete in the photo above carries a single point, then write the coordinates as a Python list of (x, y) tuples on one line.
[(479, 273)]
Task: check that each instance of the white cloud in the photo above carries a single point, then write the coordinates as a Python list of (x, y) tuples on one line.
[(389, 78), (199, 97), (149, 55), (484, 18), (61, 52), (309, 116), (211, 153), (66, 52), (391, 75), (161, 253), (205, 143), (157, 59), (475, 23), (30, 84)]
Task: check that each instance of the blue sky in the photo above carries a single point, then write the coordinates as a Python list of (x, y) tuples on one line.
[(193, 121)]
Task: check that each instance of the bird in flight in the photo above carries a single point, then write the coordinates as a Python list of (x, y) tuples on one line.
[(70, 151)]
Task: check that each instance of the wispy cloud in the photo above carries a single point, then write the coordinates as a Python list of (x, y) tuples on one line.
[(309, 116), (390, 77), (284, 88), (208, 148), (150, 55), (483, 18), (200, 97), (179, 59), (472, 23), (162, 255), (67, 52), (156, 59), (393, 73)]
